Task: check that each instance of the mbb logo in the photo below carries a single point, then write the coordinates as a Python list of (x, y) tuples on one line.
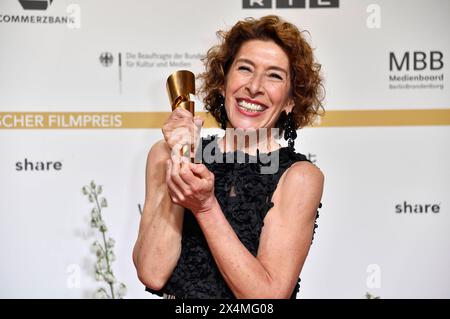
[(286, 4), (416, 60), (35, 4)]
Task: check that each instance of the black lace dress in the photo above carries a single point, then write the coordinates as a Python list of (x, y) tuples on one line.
[(244, 194)]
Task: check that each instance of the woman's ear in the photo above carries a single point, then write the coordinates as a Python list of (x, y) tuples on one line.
[(289, 106)]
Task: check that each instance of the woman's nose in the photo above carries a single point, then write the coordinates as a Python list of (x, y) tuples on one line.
[(254, 85)]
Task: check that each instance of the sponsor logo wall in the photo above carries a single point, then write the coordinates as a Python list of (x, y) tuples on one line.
[(83, 98)]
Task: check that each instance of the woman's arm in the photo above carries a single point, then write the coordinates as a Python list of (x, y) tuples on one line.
[(285, 237), (158, 245)]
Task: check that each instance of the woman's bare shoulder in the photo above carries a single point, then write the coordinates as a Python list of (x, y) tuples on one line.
[(303, 172), (302, 178)]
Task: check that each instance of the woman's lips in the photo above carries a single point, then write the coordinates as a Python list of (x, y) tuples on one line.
[(248, 113), (251, 101)]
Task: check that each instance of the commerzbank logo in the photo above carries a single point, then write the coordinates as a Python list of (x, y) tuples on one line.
[(36, 13), (35, 4)]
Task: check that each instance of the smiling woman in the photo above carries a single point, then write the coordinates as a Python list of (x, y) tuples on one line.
[(224, 229), (257, 85), (284, 44)]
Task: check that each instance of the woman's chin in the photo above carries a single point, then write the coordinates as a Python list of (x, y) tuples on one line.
[(245, 125), (245, 128)]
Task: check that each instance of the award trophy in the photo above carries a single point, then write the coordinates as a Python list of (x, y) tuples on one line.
[(179, 85)]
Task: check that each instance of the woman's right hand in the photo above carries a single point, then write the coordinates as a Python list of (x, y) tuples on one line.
[(182, 128)]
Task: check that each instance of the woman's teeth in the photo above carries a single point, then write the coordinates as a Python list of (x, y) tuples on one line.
[(250, 107)]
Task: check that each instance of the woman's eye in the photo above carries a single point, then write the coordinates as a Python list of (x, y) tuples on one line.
[(244, 68), (276, 76)]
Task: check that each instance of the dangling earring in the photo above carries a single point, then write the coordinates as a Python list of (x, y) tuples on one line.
[(223, 112), (290, 134)]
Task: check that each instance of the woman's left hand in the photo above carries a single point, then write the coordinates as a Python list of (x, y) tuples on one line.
[(190, 185)]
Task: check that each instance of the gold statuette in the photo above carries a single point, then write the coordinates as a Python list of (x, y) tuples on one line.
[(180, 85)]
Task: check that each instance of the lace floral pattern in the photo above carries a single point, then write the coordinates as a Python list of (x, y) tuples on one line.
[(244, 194)]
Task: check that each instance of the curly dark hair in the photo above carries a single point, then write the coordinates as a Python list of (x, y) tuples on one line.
[(306, 83)]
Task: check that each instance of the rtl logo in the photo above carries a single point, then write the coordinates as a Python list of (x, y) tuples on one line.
[(416, 60), (286, 4)]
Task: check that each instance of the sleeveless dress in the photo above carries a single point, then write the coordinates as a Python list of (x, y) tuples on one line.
[(244, 194)]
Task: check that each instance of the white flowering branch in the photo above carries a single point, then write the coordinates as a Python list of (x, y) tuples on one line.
[(103, 251)]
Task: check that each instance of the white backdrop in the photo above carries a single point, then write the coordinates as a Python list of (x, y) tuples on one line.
[(363, 244)]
